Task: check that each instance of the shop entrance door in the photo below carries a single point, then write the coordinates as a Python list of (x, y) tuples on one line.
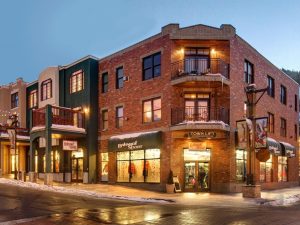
[(77, 169), (196, 176)]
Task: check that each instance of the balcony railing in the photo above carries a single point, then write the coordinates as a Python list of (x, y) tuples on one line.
[(199, 114), (198, 67), (60, 116)]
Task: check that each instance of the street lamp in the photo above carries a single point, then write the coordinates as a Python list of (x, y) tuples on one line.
[(12, 123), (251, 92)]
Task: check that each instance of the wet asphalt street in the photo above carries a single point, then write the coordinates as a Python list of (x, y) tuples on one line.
[(26, 206)]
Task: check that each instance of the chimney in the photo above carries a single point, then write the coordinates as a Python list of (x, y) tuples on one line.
[(170, 28)]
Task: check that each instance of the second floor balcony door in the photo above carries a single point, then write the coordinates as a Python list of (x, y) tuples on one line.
[(197, 109), (196, 60)]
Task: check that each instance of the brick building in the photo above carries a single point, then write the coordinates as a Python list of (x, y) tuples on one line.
[(172, 102)]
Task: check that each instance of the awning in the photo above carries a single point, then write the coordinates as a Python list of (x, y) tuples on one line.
[(288, 149), (135, 141), (273, 146)]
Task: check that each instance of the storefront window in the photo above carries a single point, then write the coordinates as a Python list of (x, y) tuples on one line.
[(104, 166), (36, 156), (282, 168), (56, 160), (44, 163), (139, 166), (152, 166), (266, 171), (14, 159), (123, 166), (241, 165)]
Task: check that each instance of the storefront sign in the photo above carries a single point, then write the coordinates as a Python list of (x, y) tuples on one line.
[(135, 141), (130, 145), (261, 125), (201, 134), (70, 145)]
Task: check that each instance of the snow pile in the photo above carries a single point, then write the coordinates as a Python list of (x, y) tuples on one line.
[(77, 192), (68, 128), (132, 135), (289, 200)]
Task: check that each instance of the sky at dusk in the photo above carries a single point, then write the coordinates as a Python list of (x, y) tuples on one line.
[(36, 34)]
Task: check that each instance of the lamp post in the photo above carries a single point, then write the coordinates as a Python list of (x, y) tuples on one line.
[(251, 92), (12, 123)]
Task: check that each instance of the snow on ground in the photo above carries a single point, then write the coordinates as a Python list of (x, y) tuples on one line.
[(77, 192), (287, 201)]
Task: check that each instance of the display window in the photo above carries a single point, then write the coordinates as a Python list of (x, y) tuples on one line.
[(104, 166), (266, 171), (241, 165), (139, 166), (282, 169)]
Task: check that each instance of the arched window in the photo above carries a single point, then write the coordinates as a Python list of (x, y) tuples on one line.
[(46, 87)]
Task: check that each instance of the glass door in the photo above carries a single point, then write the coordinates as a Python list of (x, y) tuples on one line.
[(77, 169), (202, 110), (203, 176), (190, 176)]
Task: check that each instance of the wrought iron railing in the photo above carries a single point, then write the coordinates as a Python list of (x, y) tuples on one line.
[(199, 114), (198, 67)]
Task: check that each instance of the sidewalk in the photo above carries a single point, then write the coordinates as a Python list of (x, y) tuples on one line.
[(280, 197)]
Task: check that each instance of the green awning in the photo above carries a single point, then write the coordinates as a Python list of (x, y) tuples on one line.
[(288, 149), (274, 147), (135, 141)]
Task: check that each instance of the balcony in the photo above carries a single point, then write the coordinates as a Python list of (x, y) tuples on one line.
[(187, 72), (200, 118), (22, 133), (60, 118)]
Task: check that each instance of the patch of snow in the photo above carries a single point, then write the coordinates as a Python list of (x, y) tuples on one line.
[(289, 200), (287, 144), (132, 135), (37, 128), (19, 137), (203, 122), (68, 128), (77, 192)]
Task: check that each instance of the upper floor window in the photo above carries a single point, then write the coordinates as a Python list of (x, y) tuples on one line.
[(119, 116), (248, 72), (152, 110), (296, 103), (296, 132), (104, 83), (271, 122), (271, 87), (283, 127), (104, 119), (76, 81), (46, 87), (283, 94), (119, 77), (32, 100), (14, 100), (151, 66)]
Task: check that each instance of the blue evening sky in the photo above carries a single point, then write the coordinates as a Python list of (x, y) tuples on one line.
[(36, 34)]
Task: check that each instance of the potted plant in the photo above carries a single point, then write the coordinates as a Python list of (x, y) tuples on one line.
[(170, 186)]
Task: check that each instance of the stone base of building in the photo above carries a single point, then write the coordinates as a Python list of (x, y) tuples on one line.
[(48, 179), (68, 177), (32, 177), (251, 191), (85, 177)]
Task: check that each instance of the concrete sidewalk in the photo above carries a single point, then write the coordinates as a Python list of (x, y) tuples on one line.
[(275, 197), (280, 196)]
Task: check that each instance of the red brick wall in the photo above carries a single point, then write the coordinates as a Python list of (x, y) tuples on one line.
[(136, 90), (240, 51)]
